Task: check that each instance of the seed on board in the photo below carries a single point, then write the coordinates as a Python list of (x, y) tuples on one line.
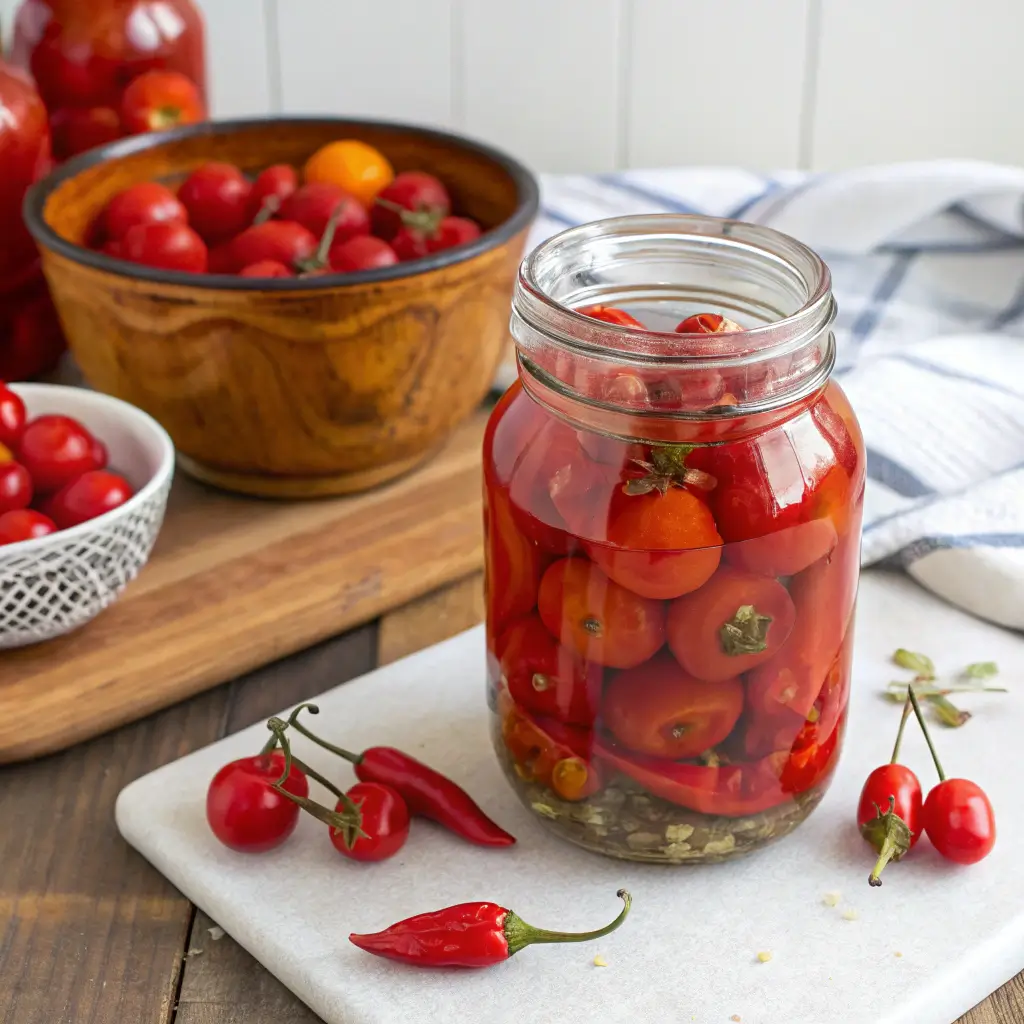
[(764, 956), (831, 899), (599, 961), (850, 914)]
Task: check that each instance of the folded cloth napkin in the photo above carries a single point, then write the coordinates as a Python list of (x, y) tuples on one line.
[(928, 269)]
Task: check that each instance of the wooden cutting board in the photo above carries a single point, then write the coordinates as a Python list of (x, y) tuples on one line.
[(234, 583)]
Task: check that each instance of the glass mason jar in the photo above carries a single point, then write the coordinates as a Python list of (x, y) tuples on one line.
[(672, 538), (84, 53), (30, 338)]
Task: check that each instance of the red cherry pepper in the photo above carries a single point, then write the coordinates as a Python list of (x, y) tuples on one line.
[(611, 315), (468, 935), (384, 827), (427, 793), (957, 814), (244, 807), (547, 678), (889, 812), (707, 323)]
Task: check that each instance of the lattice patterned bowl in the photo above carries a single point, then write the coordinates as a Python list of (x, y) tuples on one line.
[(55, 584)]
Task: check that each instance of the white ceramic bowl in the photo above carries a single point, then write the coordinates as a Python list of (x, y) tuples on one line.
[(54, 584)]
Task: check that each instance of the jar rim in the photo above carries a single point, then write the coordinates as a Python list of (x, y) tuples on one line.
[(662, 263), (816, 312)]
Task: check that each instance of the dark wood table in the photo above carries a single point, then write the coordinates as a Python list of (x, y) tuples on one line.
[(91, 934)]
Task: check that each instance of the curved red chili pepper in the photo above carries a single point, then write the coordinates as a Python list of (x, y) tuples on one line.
[(429, 794), (426, 792), (730, 790), (468, 935)]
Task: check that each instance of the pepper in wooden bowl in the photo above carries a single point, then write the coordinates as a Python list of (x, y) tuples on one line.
[(294, 386)]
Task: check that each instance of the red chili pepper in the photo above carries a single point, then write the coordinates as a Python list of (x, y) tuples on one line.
[(468, 935), (730, 790), (427, 793)]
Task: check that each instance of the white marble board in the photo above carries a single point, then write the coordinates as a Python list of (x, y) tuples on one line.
[(688, 952)]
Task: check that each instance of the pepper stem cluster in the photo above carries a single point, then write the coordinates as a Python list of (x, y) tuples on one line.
[(667, 468), (348, 822)]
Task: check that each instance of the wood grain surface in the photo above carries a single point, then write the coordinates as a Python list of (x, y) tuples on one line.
[(304, 388), (90, 934), (235, 583)]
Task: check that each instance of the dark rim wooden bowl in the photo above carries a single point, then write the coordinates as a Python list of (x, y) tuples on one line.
[(36, 199), (290, 387)]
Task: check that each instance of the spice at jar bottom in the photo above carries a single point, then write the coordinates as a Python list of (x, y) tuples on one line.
[(469, 935)]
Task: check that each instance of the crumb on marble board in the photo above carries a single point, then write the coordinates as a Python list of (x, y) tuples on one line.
[(897, 953), (764, 956), (849, 914), (831, 899), (736, 1018)]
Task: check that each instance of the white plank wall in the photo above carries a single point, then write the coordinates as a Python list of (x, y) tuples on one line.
[(242, 74), (354, 57), (595, 85), (716, 82), (912, 79), (543, 78)]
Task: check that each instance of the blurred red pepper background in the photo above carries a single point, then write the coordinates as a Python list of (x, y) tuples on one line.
[(82, 73)]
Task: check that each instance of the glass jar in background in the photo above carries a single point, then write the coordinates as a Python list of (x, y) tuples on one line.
[(30, 337), (84, 53), (672, 539)]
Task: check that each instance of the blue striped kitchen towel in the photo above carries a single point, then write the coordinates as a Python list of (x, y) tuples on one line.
[(928, 268)]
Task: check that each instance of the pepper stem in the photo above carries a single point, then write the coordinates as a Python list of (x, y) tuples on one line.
[(927, 734), (895, 840), (267, 209), (519, 934), (328, 237), (667, 468), (746, 632), (907, 708), (294, 723), (423, 218)]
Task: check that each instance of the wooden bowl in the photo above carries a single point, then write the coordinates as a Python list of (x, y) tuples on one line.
[(286, 388)]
